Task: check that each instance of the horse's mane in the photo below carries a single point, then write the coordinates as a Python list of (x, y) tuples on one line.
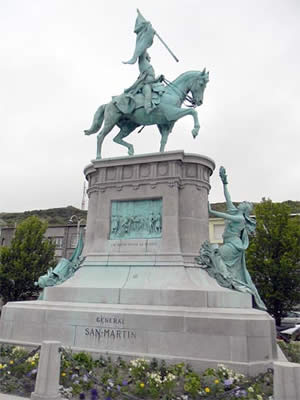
[(186, 75), (182, 78)]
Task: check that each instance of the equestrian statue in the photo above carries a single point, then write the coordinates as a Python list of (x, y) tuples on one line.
[(150, 100)]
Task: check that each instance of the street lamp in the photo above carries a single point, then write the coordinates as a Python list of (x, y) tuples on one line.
[(78, 220)]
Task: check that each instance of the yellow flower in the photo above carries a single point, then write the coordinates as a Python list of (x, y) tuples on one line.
[(33, 363), (250, 389), (207, 389), (1, 366), (217, 381), (11, 362), (63, 374), (142, 385)]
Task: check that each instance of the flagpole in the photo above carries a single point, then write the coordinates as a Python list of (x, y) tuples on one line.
[(166, 46)]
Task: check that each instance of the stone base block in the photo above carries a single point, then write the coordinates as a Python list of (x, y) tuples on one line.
[(243, 339), (35, 396), (168, 286), (286, 381)]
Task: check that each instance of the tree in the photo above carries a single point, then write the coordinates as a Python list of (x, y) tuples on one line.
[(22, 263), (273, 257)]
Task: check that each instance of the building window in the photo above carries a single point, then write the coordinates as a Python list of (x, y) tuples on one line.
[(58, 241), (218, 231), (73, 240)]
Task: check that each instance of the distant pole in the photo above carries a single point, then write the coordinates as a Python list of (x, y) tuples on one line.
[(78, 221), (83, 196)]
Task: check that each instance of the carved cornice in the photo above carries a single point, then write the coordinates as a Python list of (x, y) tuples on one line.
[(177, 155), (177, 183), (174, 169)]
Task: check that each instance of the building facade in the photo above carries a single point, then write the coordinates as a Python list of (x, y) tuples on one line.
[(65, 238)]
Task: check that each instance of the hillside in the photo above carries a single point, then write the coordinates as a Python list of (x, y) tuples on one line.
[(61, 216), (54, 216), (294, 206)]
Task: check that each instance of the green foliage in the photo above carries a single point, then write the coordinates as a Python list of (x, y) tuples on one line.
[(18, 369), (192, 384), (84, 359), (291, 350), (273, 257), (28, 257), (293, 205)]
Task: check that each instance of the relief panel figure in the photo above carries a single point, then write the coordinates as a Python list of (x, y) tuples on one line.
[(136, 219)]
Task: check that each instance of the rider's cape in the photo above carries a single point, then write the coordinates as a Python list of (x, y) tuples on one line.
[(144, 38)]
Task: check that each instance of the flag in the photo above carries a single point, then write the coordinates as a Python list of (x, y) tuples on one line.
[(144, 38)]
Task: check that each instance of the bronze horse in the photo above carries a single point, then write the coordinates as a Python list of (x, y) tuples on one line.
[(164, 115)]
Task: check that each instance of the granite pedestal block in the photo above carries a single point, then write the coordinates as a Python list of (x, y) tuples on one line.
[(241, 338), (139, 291), (145, 270), (179, 180)]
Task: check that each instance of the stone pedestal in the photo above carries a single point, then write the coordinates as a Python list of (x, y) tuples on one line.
[(47, 380), (180, 181), (139, 291), (286, 381)]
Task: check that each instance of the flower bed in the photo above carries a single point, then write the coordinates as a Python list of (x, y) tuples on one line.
[(83, 377), (18, 369)]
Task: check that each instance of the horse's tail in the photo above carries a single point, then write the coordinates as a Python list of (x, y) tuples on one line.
[(97, 121)]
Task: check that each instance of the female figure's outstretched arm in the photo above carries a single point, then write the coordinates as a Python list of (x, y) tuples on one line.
[(224, 215), (230, 206)]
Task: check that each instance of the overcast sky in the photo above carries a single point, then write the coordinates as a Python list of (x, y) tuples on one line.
[(61, 59)]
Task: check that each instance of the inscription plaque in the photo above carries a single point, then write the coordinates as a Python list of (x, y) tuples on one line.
[(136, 219), (108, 328), (109, 333)]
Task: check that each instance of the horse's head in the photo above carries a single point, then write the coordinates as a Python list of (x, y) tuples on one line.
[(198, 87)]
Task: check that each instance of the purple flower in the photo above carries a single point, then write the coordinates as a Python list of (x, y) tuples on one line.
[(124, 382), (240, 393), (118, 387), (94, 394), (228, 382), (82, 396), (30, 373)]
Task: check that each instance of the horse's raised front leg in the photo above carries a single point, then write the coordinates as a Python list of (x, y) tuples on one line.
[(126, 128), (175, 113), (194, 114), (111, 117), (196, 128)]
